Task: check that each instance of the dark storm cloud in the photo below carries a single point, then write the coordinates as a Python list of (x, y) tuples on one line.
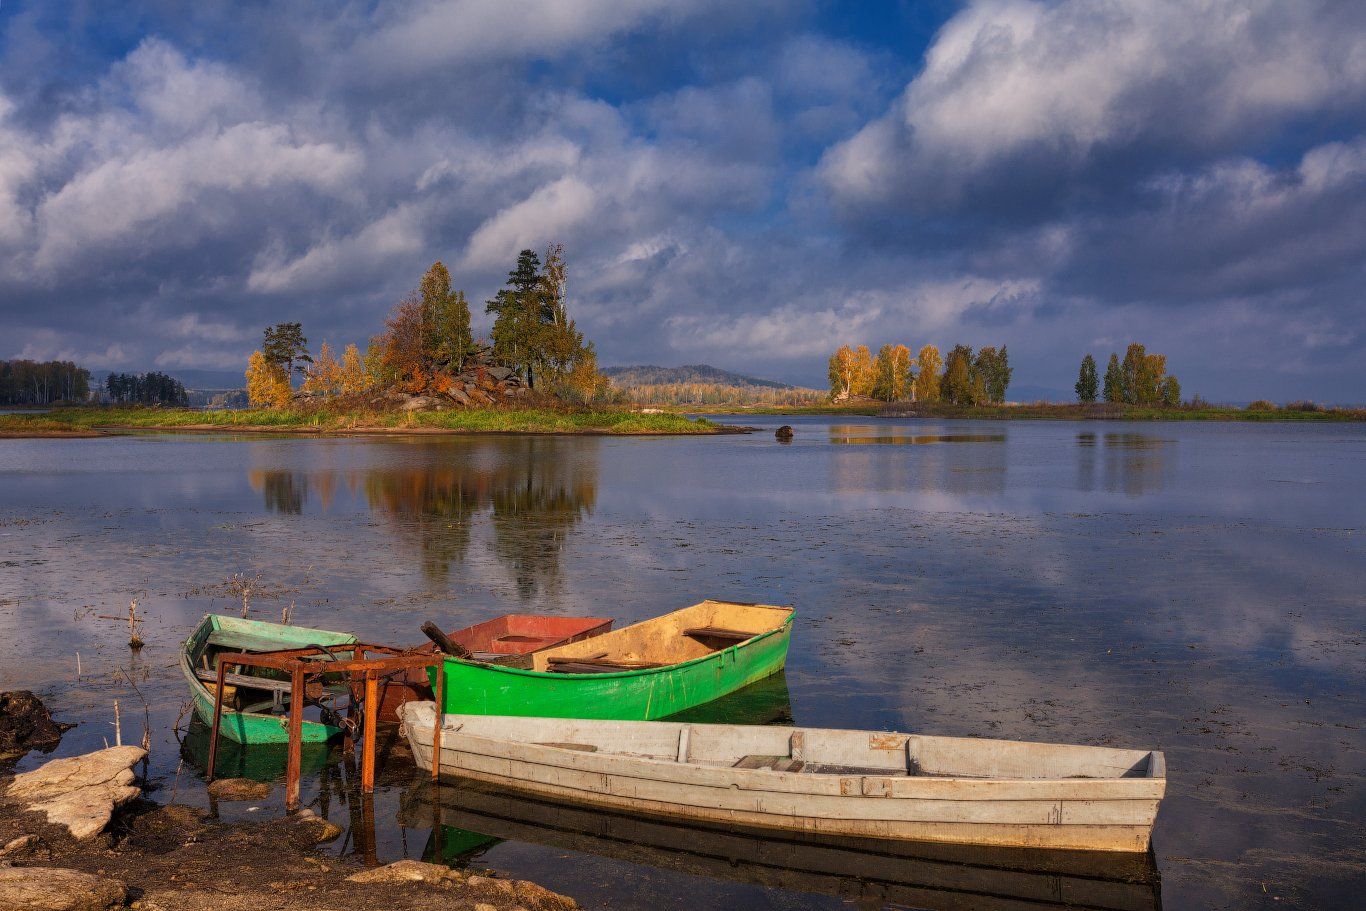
[(733, 185)]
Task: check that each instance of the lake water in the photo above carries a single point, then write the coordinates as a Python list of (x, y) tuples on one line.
[(1196, 588)]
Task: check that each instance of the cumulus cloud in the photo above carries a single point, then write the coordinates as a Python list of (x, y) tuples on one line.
[(551, 210), (1017, 90), (732, 182)]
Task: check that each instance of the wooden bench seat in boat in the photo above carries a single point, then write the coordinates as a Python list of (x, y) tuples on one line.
[(597, 665), (716, 632)]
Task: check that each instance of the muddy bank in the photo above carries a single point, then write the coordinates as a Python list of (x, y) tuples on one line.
[(60, 850), (177, 857)]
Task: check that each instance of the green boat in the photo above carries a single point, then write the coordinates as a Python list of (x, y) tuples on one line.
[(643, 672), (255, 704)]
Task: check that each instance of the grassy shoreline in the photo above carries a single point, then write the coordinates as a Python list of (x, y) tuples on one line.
[(92, 422), (1043, 411)]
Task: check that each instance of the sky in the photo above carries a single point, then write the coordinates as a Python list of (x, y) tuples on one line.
[(747, 185)]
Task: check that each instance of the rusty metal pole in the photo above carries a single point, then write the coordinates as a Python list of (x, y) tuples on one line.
[(371, 709), (440, 715), (294, 761), (217, 715)]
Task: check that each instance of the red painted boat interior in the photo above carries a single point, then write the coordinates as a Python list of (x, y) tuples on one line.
[(522, 634)]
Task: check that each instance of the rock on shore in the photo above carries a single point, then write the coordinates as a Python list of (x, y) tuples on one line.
[(80, 792), (50, 889)]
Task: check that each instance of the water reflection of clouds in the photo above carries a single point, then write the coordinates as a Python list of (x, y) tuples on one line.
[(1215, 615)]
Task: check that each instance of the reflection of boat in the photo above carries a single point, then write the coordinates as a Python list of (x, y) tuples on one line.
[(254, 705), (258, 762), (470, 817), (833, 782), (648, 670)]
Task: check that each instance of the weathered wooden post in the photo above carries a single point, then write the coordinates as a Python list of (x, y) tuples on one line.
[(294, 760), (440, 714), (217, 714), (371, 711)]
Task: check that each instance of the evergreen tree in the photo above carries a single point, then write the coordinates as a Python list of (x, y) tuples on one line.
[(522, 309), (1087, 381), (1114, 380), (284, 345)]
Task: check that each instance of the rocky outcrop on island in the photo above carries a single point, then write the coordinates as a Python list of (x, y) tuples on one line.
[(483, 383), (80, 792)]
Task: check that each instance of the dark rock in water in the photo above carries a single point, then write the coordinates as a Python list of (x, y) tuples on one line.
[(784, 433), (26, 725), (239, 789)]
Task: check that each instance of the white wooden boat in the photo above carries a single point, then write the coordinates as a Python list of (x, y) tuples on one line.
[(873, 784)]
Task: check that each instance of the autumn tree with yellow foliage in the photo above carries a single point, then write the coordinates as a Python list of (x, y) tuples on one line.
[(267, 383), (892, 373), (324, 375), (927, 381)]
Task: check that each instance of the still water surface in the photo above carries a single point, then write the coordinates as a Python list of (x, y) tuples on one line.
[(1196, 588)]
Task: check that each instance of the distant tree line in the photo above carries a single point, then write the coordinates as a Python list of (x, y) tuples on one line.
[(713, 394), (146, 389), (24, 382), (1140, 379), (962, 378), (427, 342)]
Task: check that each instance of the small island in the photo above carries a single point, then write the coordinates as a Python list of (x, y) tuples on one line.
[(425, 372)]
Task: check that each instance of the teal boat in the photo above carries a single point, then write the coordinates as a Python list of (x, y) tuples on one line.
[(643, 672), (255, 703)]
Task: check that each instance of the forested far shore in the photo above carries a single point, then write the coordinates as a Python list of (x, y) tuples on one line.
[(38, 383)]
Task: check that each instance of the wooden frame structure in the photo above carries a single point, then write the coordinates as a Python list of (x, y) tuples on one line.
[(362, 672)]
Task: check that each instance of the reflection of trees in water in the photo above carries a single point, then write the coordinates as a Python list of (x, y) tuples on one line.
[(535, 490), (533, 513), (1134, 463), (959, 463), (284, 491), (435, 506)]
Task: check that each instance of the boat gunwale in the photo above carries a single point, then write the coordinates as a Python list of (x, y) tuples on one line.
[(762, 780), (784, 627), (578, 759)]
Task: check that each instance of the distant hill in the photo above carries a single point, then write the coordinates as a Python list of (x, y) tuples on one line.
[(689, 373), (702, 384)]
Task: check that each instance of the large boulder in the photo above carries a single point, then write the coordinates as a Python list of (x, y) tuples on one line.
[(51, 889), (26, 725), (80, 792), (420, 403), (500, 373), (406, 871)]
